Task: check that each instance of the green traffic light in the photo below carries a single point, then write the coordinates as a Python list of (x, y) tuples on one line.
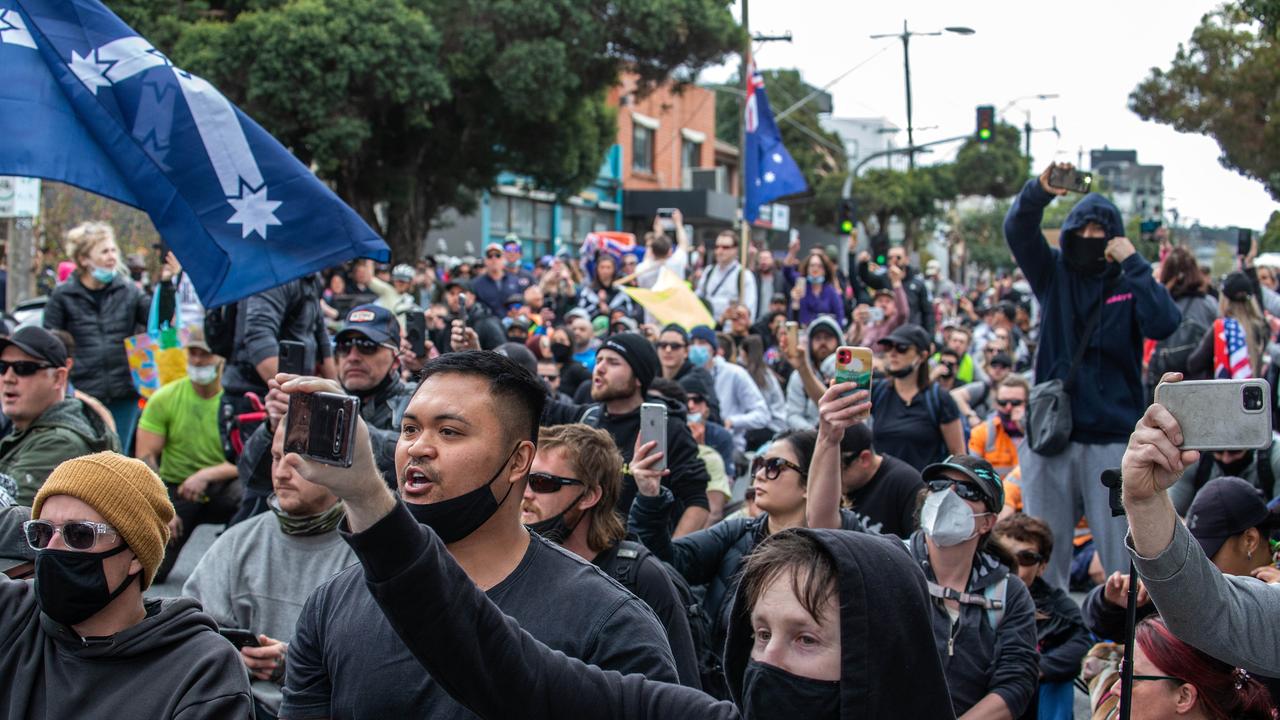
[(880, 259), (984, 134), (846, 226)]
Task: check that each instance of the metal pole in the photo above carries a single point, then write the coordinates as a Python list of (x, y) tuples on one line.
[(906, 65), (744, 226), (1026, 131), (21, 261)]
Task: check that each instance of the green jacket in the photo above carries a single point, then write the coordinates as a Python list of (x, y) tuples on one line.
[(66, 430)]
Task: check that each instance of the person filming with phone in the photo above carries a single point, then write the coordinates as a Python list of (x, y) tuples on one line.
[(1098, 300)]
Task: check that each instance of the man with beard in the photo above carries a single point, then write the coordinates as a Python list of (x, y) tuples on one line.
[(626, 363), (824, 337), (573, 486), (466, 444), (367, 347), (1256, 467)]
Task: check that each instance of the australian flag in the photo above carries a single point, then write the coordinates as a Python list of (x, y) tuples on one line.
[(770, 173), (88, 102)]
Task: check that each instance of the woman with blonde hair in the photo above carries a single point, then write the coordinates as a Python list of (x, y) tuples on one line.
[(1236, 344), (100, 307)]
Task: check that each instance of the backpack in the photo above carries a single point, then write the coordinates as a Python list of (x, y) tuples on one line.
[(220, 329), (625, 569), (1171, 354)]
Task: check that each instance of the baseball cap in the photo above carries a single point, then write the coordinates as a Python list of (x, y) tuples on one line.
[(37, 342), (933, 266), (492, 246), (402, 272), (975, 469), (196, 338), (1001, 358), (909, 334), (1224, 508), (374, 322), (14, 549), (1237, 286)]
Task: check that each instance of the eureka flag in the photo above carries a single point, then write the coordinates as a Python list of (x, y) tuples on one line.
[(770, 172), (86, 101)]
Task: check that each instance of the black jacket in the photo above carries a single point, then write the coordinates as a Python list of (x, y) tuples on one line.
[(498, 671), (288, 312), (918, 300), (99, 321), (1063, 638)]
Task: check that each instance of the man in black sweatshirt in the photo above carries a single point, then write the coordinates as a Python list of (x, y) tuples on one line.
[(467, 441), (80, 641)]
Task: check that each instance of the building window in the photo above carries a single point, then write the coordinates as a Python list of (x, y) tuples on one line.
[(642, 148), (499, 222), (691, 155)]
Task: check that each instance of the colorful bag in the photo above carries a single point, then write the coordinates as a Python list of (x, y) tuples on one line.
[(158, 356)]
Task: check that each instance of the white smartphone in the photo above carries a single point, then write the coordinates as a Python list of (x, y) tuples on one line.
[(1219, 414), (653, 428)]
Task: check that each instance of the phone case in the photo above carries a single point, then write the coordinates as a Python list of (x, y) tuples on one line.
[(853, 364), (1220, 414), (292, 358), (415, 331), (1073, 180), (321, 426), (653, 427)]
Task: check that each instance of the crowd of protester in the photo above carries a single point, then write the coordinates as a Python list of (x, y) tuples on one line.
[(509, 542)]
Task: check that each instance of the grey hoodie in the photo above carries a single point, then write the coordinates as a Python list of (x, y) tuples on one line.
[(173, 664), (802, 413)]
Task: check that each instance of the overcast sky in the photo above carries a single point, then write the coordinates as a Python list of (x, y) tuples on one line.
[(1090, 52)]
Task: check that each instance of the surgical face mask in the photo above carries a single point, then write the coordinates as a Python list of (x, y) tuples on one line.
[(817, 279), (202, 374), (555, 528), (694, 418), (947, 519), (456, 518), (699, 355), (770, 693), (102, 275), (71, 586)]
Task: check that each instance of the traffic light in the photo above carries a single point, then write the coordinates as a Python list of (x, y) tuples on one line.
[(848, 216), (880, 249), (986, 123)]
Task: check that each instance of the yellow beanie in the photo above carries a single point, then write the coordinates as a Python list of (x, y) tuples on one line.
[(126, 493)]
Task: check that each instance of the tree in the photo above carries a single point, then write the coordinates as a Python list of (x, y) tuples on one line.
[(913, 197), (1225, 83), (993, 169), (1269, 241), (412, 106), (983, 234)]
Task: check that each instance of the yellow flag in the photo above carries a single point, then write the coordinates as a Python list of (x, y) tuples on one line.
[(672, 301)]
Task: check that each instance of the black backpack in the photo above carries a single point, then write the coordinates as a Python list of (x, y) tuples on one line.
[(1171, 354), (625, 570), (220, 329)]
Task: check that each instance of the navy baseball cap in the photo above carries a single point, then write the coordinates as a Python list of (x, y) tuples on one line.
[(374, 322), (1224, 508)]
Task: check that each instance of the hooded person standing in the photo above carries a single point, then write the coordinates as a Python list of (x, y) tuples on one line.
[(1097, 273)]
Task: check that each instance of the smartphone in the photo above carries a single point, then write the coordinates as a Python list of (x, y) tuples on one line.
[(322, 426), (1073, 180), (462, 308), (664, 217), (292, 358), (877, 315), (1244, 241), (853, 364), (653, 428), (239, 637), (415, 331), (793, 334), (1220, 414)]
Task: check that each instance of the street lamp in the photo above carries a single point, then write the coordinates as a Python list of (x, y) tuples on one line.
[(905, 36)]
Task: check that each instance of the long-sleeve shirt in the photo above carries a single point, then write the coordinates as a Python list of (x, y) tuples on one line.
[(741, 402), (824, 302), (719, 287), (872, 334)]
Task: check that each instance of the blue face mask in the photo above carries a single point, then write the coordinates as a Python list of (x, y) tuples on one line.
[(699, 355), (817, 279), (103, 275)]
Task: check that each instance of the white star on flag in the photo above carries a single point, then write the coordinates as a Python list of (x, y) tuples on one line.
[(769, 177), (254, 212), (777, 158)]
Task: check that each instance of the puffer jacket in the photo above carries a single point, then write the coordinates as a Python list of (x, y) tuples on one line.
[(99, 321)]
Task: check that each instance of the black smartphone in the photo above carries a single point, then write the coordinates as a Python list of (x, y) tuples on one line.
[(322, 426), (1244, 241), (665, 216), (239, 637), (415, 331), (1070, 179), (462, 308), (292, 358)]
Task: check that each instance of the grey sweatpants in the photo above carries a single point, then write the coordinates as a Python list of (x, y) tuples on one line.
[(1063, 488)]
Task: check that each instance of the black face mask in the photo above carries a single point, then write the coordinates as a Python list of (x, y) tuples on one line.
[(561, 352), (1010, 427), (1086, 256), (456, 518), (769, 693), (901, 372), (1236, 468), (555, 528), (71, 586)]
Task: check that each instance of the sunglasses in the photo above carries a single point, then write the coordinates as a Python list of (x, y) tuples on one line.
[(773, 467), (900, 348), (966, 490), (1028, 558), (1011, 403), (697, 399), (544, 483), (78, 534), (493, 254), (23, 368), (991, 350), (1152, 677), (550, 378), (1000, 365), (726, 247), (364, 346), (671, 346)]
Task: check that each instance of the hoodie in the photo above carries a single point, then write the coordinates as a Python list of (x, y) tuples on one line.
[(497, 670), (173, 664), (1107, 395), (802, 412), (67, 429)]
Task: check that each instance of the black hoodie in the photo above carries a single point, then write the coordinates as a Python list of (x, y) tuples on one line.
[(498, 671), (173, 664)]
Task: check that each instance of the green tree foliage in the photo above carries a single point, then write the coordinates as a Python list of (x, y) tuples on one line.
[(1269, 241), (413, 106), (1225, 83), (914, 198), (994, 169), (983, 235)]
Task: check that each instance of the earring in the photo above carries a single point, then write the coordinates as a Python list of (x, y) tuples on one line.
[(1250, 555)]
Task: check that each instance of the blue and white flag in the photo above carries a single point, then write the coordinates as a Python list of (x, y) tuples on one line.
[(86, 101), (770, 173)]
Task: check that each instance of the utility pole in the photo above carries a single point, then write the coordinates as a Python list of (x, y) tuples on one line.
[(745, 227)]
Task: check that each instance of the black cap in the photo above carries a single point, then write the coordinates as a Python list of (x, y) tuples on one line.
[(693, 384), (457, 282), (39, 343), (1224, 508), (672, 327), (14, 549), (374, 322), (909, 334), (977, 470), (520, 355), (1001, 358), (1237, 286), (638, 353)]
